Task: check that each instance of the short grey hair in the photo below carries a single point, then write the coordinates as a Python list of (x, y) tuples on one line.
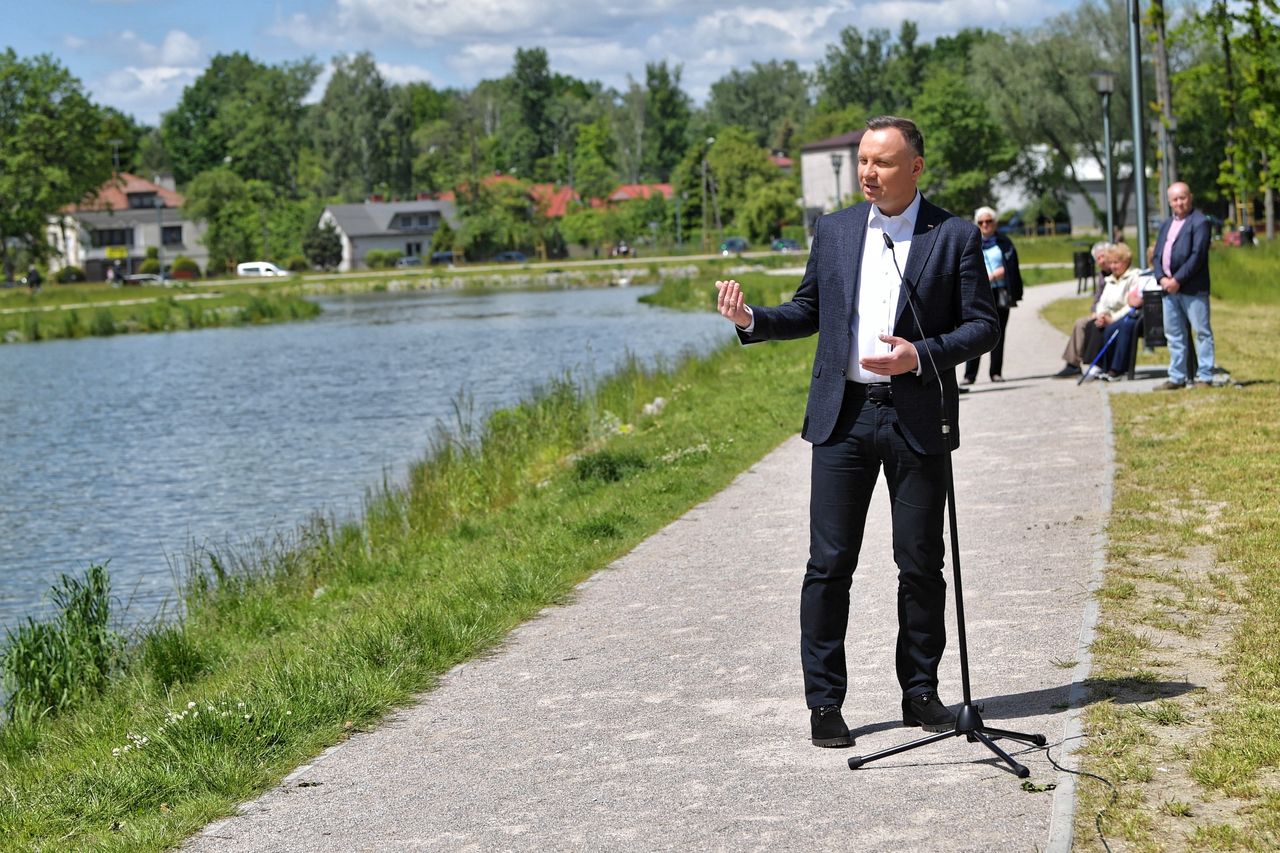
[(1099, 248), (985, 211)]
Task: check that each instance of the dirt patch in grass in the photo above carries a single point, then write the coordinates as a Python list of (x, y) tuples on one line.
[(1159, 679)]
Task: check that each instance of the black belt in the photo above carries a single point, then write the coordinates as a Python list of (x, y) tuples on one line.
[(877, 392)]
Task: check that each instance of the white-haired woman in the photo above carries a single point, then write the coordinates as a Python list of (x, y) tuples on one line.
[(1006, 288)]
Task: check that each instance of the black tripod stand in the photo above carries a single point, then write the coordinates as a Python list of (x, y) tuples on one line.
[(969, 721)]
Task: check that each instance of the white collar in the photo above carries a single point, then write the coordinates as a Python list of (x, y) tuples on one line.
[(907, 217)]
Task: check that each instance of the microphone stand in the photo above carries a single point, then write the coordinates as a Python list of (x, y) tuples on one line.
[(969, 721)]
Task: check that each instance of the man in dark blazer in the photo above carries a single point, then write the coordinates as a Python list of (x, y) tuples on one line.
[(1181, 266), (883, 387)]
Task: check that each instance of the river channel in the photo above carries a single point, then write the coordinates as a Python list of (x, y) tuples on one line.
[(136, 449)]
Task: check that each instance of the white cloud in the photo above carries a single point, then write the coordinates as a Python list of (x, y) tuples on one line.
[(145, 91), (410, 73), (151, 76)]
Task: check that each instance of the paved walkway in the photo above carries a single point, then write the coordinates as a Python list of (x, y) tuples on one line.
[(663, 710)]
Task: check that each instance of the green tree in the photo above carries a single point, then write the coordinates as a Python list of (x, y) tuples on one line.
[(594, 172), (766, 100), (533, 91), (965, 146), (769, 206), (854, 72), (1050, 104), (193, 135), (667, 112), (53, 151), (349, 127), (227, 204), (262, 123)]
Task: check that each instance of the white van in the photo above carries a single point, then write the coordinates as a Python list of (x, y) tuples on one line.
[(260, 268)]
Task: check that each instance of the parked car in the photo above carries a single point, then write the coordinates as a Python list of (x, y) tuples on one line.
[(733, 246), (785, 244), (442, 258), (143, 278), (260, 268), (409, 261), (509, 258)]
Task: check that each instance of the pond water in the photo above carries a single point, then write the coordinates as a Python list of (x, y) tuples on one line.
[(137, 449)]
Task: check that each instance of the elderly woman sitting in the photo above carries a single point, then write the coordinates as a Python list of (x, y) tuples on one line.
[(1119, 295)]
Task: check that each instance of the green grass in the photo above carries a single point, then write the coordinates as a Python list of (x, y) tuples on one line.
[(107, 311), (1193, 578), (284, 652)]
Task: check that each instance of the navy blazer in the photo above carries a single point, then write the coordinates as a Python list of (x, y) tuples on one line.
[(1189, 261), (960, 322)]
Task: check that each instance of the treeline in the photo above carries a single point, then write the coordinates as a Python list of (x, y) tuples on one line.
[(259, 162)]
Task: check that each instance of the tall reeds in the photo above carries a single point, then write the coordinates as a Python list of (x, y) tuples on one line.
[(53, 665)]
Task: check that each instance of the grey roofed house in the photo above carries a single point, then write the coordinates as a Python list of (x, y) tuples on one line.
[(404, 226)]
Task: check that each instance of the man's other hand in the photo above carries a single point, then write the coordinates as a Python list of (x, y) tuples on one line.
[(902, 358), (730, 305)]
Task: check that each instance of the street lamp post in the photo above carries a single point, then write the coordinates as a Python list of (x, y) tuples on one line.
[(1105, 83), (1139, 149), (836, 160)]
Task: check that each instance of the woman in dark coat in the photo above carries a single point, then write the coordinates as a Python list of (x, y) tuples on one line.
[(1006, 287)]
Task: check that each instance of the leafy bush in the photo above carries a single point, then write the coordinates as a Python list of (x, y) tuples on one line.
[(323, 246), (381, 259), (68, 274), (184, 267), (151, 266), (153, 253), (297, 263), (103, 323)]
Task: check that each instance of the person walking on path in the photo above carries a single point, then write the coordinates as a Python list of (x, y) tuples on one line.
[(1181, 267), (1006, 288), (875, 400)]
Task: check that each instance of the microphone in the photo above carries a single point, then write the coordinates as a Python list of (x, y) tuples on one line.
[(911, 303)]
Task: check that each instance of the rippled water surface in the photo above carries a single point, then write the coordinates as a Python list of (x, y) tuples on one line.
[(133, 448)]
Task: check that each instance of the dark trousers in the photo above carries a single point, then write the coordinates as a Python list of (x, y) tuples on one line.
[(845, 470), (997, 354)]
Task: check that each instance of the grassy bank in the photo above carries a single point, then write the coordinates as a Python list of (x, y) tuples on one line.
[(1186, 673), (79, 311), (284, 652)]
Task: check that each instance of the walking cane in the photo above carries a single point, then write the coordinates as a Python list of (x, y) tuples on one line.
[(1084, 374)]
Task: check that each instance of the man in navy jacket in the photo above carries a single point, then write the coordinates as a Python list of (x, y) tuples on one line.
[(1181, 266), (882, 389)]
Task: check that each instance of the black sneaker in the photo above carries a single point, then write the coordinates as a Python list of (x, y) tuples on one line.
[(1067, 372), (927, 711), (828, 727)]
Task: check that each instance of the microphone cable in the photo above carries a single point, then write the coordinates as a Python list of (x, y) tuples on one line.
[(911, 303)]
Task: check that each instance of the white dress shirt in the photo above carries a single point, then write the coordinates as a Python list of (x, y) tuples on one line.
[(876, 305)]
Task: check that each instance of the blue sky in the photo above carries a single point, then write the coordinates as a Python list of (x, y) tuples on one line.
[(137, 55)]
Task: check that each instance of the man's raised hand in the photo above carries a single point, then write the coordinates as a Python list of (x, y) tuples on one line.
[(730, 305)]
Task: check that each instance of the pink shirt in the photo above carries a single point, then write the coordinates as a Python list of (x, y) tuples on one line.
[(1166, 256)]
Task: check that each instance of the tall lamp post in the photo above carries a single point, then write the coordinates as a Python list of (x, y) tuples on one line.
[(1105, 83), (1139, 149), (836, 160)]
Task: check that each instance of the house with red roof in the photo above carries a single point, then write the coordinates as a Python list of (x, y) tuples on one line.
[(117, 224)]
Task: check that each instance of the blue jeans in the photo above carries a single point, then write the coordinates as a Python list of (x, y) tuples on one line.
[(1179, 308)]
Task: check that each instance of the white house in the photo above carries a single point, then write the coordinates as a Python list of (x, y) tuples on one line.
[(116, 226), (403, 226), (822, 165)]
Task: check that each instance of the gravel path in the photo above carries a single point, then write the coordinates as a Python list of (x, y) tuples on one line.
[(663, 709)]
